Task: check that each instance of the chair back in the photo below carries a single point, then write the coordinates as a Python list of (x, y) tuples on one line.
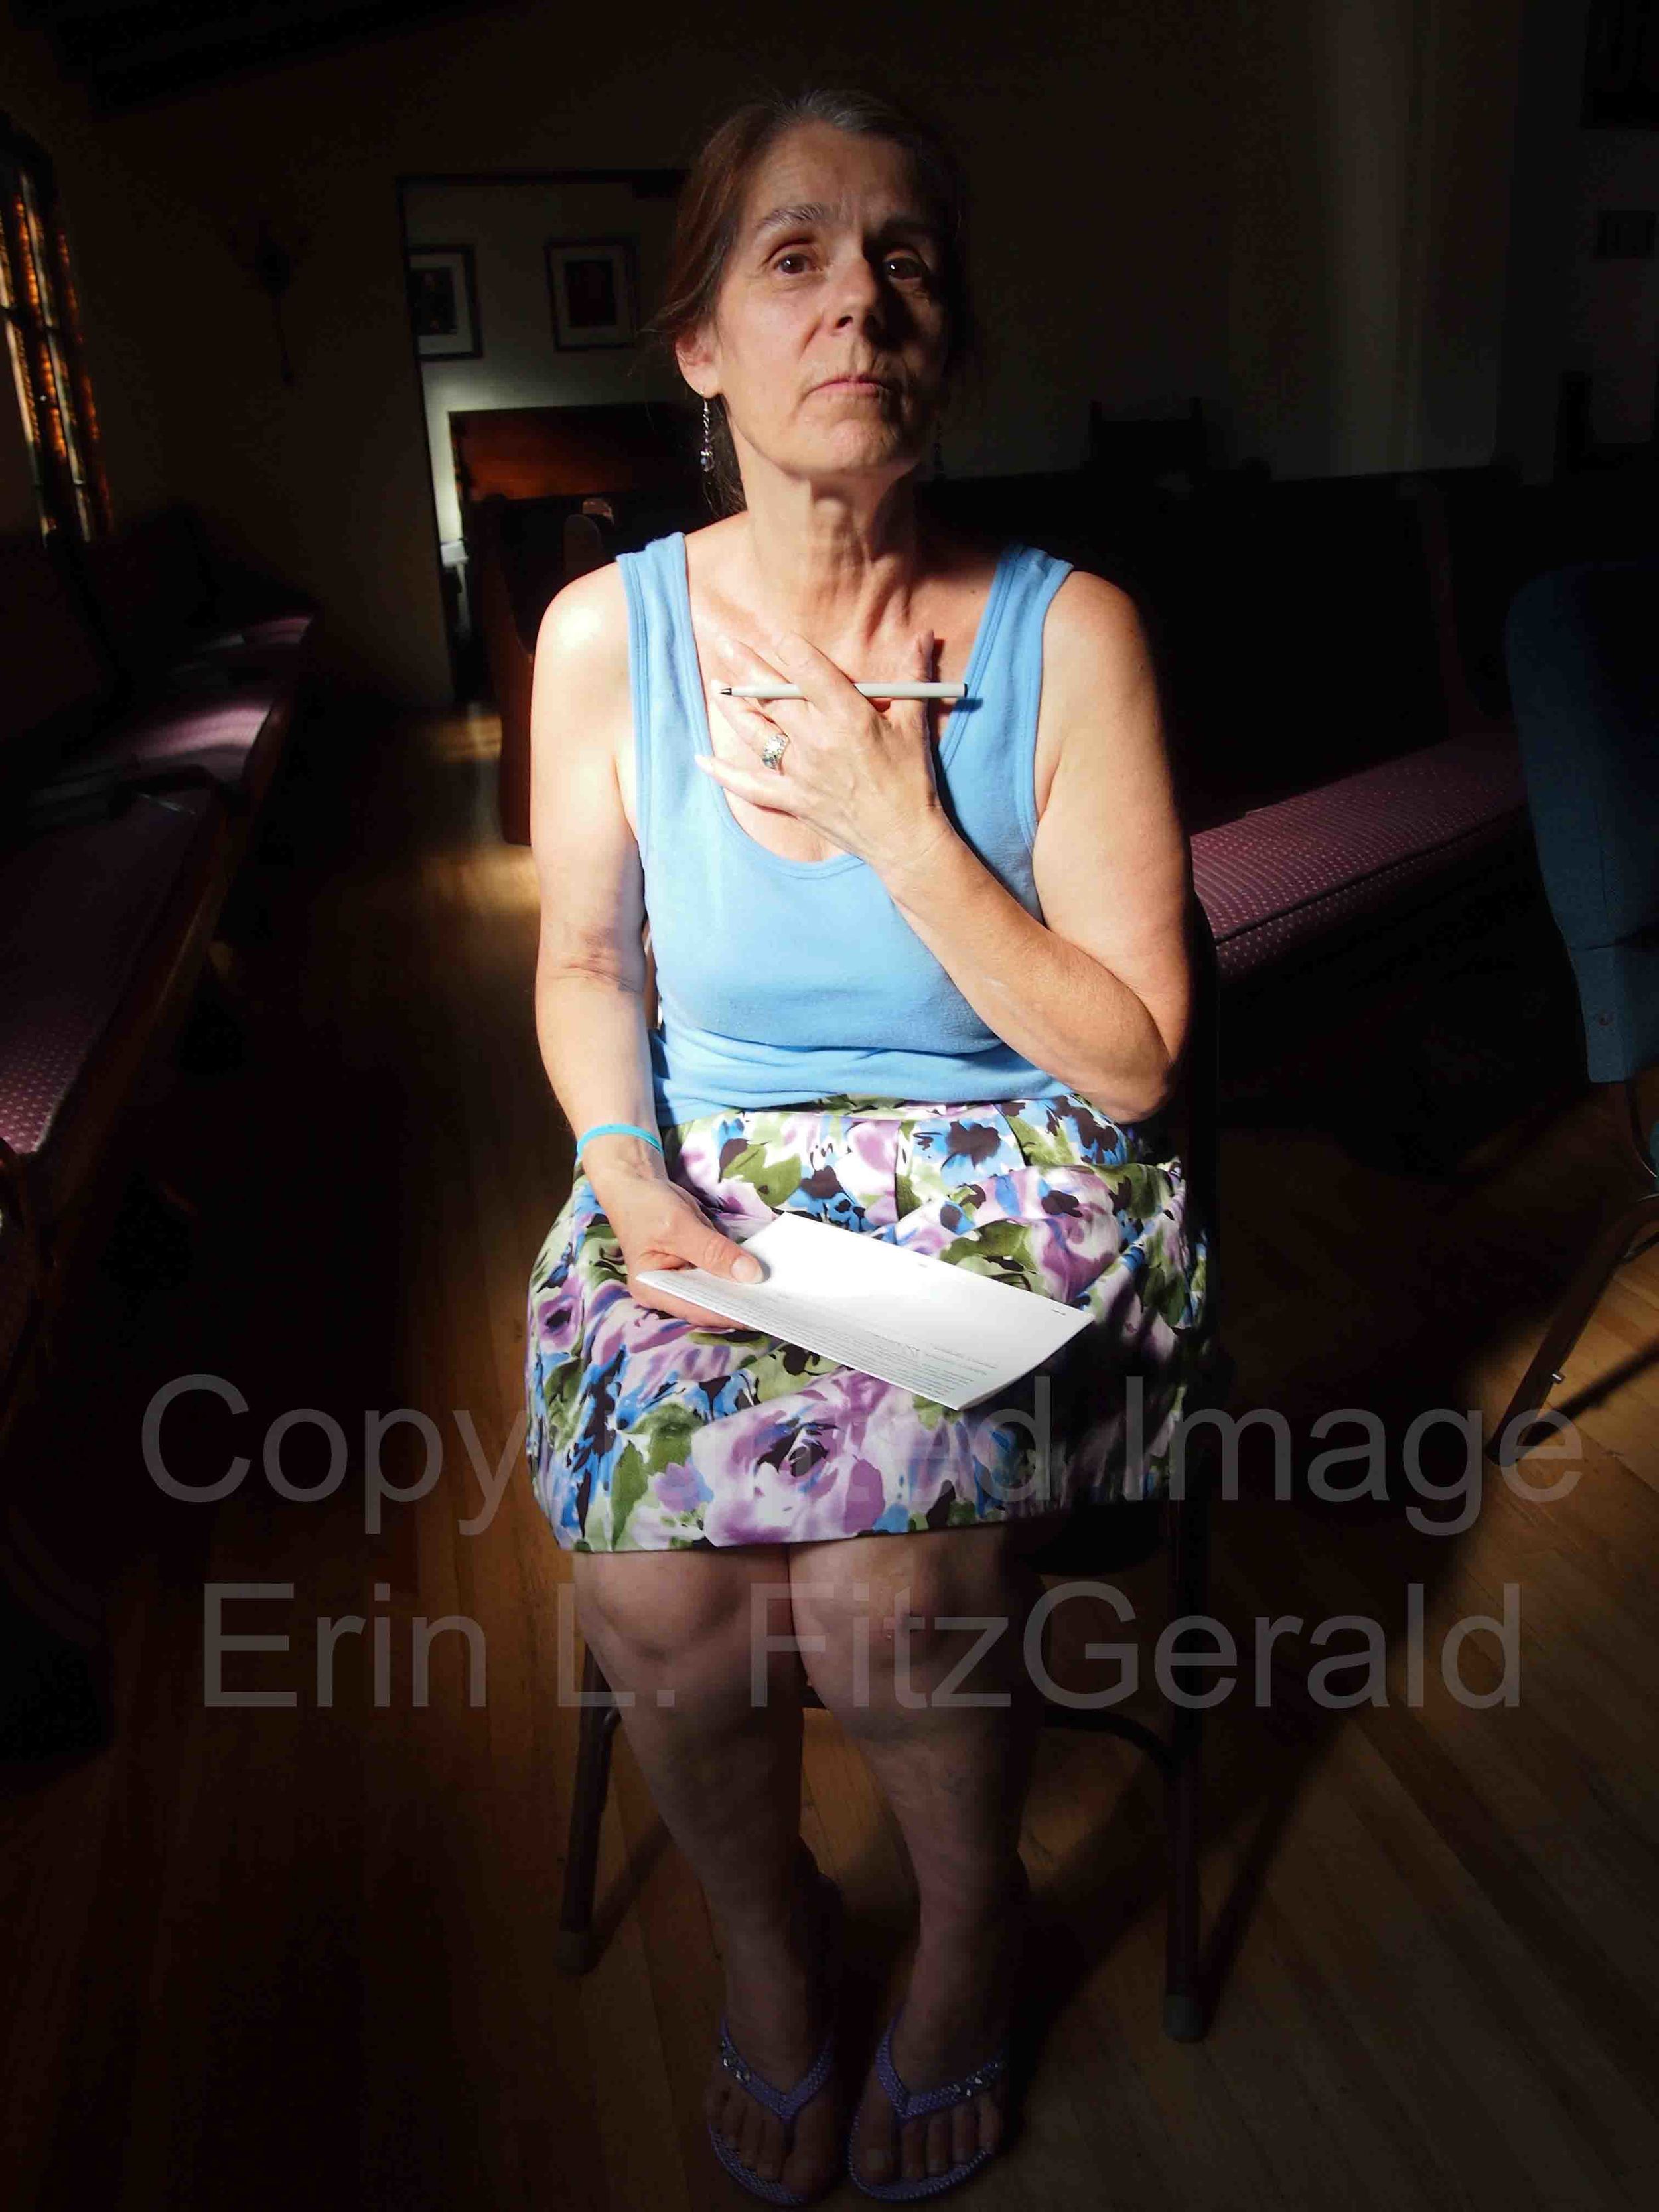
[(1584, 679)]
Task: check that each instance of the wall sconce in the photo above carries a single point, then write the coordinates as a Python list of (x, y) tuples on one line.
[(270, 258)]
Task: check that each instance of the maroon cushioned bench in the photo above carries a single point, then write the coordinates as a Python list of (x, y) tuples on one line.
[(1283, 877), (269, 635), (230, 740), (140, 732), (104, 925), (57, 687), (168, 608), (82, 914), (156, 699)]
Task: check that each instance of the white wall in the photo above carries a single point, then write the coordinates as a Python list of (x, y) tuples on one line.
[(1368, 199), (507, 224)]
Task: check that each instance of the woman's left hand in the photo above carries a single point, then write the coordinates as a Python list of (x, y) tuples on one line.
[(862, 776)]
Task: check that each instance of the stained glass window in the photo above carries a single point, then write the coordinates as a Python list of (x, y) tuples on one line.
[(42, 318)]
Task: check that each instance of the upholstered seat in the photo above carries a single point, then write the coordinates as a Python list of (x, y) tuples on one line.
[(154, 690), (229, 738), (263, 645), (80, 912), (1283, 876), (160, 599)]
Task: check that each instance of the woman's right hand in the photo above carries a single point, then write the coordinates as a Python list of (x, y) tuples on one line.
[(659, 1224)]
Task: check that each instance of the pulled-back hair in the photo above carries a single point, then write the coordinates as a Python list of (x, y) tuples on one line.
[(711, 202)]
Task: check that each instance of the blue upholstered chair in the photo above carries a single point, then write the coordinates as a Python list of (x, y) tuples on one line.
[(1582, 647)]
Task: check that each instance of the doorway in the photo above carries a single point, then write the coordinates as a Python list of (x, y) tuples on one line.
[(527, 292)]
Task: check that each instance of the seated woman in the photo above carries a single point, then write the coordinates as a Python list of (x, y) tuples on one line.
[(923, 974)]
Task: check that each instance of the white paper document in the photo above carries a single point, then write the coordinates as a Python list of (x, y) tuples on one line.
[(944, 1332)]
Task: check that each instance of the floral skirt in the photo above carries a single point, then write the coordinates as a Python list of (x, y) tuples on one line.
[(648, 1432)]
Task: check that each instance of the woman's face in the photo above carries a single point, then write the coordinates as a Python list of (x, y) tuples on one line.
[(834, 273)]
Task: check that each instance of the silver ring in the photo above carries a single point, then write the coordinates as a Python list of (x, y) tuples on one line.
[(772, 751)]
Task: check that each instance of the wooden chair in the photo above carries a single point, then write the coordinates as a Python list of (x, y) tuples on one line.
[(1095, 1540)]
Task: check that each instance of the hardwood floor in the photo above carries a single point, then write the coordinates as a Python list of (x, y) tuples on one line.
[(262, 1954)]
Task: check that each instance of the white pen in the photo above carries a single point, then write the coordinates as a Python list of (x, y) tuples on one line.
[(869, 691)]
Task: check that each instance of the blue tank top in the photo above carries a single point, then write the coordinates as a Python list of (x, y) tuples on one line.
[(783, 981)]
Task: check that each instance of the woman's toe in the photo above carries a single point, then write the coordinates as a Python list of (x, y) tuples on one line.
[(913, 2151), (768, 2147), (803, 2157), (989, 2108), (875, 2147), (938, 2143), (749, 2142), (964, 2132), (922, 2148), (814, 2153)]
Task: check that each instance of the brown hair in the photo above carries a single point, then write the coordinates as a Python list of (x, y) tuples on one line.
[(705, 229)]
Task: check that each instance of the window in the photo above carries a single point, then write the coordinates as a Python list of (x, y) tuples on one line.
[(42, 321)]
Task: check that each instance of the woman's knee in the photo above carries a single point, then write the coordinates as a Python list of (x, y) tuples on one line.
[(663, 1608), (884, 1602)]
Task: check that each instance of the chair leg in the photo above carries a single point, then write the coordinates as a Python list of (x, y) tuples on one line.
[(574, 1952), (1183, 2008), (1603, 1259)]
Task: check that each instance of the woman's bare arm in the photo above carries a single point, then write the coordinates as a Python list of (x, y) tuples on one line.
[(592, 966), (1099, 992), (592, 980)]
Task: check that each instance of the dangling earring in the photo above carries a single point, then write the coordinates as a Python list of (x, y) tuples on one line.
[(939, 455), (707, 456)]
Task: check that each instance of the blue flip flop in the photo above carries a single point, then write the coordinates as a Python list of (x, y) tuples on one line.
[(786, 2103), (910, 2104)]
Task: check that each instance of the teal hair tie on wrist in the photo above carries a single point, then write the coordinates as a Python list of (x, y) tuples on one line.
[(619, 1129)]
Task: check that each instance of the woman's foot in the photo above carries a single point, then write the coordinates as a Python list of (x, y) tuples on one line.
[(777, 2011), (955, 2015)]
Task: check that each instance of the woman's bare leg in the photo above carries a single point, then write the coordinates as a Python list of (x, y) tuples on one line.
[(724, 1770), (956, 1777)]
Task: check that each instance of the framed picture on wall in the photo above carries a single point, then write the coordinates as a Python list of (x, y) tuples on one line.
[(443, 303), (593, 286)]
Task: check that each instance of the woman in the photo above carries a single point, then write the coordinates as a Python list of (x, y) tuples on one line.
[(923, 974)]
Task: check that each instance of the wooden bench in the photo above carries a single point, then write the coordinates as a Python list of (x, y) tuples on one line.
[(156, 698), (1283, 876)]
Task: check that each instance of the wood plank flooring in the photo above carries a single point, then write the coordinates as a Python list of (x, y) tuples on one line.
[(266, 1953)]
